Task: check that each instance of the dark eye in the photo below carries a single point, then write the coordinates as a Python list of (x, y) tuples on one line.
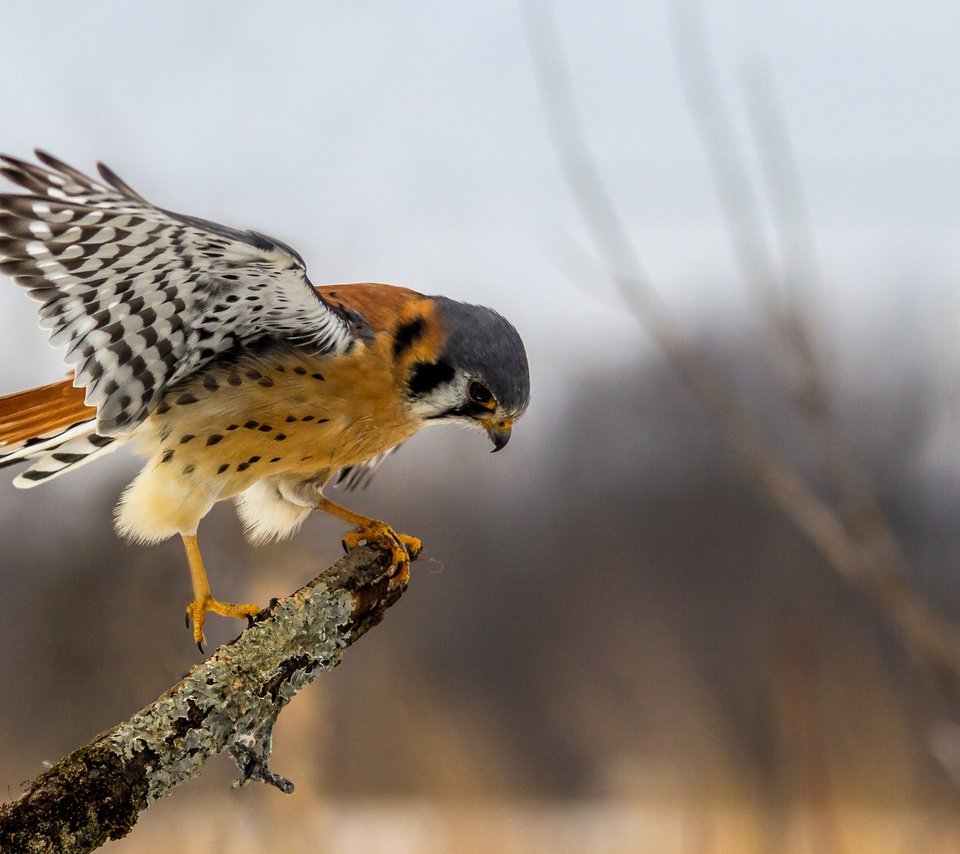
[(479, 393)]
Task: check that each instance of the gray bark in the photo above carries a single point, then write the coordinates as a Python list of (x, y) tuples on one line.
[(228, 702)]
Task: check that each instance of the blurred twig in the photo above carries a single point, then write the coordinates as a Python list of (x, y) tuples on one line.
[(785, 301), (857, 544), (857, 501), (229, 702), (738, 203)]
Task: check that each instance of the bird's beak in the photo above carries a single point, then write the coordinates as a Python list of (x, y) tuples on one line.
[(499, 433)]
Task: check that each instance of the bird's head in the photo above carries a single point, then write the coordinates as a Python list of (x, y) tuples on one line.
[(480, 377)]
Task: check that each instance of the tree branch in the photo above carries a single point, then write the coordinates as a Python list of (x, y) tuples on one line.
[(229, 702)]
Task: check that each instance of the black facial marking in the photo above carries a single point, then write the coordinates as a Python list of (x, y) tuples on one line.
[(428, 375), (467, 410), (407, 334)]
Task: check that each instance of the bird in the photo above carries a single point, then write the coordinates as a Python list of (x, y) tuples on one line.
[(209, 352)]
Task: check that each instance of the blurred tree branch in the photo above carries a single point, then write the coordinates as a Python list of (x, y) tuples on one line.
[(854, 537), (229, 702)]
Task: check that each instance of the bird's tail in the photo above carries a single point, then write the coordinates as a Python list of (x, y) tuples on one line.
[(52, 427)]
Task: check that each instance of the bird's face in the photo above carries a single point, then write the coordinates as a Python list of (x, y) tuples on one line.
[(481, 378)]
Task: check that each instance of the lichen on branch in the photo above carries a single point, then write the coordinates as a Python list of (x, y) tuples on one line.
[(228, 702)]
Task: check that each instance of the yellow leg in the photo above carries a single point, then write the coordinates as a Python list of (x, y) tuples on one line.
[(404, 548), (203, 600)]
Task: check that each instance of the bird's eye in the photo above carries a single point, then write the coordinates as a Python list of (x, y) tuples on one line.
[(479, 393)]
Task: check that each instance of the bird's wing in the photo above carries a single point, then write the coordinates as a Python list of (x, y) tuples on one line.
[(143, 297), (359, 476)]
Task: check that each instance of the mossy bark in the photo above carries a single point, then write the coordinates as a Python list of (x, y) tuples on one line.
[(230, 701)]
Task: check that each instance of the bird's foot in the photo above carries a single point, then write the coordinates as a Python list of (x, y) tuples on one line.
[(197, 611), (403, 548)]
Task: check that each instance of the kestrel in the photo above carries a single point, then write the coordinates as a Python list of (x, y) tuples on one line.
[(209, 351)]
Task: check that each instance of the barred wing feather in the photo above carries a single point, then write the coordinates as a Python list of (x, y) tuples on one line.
[(143, 297), (359, 476)]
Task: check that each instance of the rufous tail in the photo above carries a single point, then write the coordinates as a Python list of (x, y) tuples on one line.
[(40, 412), (52, 427)]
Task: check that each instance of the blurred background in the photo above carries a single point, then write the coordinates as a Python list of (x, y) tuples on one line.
[(705, 601)]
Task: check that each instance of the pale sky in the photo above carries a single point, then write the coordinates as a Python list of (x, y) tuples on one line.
[(406, 143)]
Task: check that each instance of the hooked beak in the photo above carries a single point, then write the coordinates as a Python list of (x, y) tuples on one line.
[(499, 433)]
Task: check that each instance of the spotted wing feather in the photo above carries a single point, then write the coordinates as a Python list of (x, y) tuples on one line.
[(142, 297)]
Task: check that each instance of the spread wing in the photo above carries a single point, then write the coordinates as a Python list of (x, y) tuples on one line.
[(143, 297)]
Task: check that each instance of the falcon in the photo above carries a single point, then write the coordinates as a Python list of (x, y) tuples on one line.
[(209, 351)]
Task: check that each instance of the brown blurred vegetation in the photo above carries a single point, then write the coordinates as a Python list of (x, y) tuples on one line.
[(609, 616)]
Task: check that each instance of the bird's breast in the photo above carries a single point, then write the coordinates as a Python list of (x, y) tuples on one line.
[(278, 412)]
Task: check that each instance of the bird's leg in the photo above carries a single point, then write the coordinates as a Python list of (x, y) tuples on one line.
[(403, 548), (203, 600)]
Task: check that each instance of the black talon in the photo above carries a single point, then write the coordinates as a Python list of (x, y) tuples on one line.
[(343, 543), (200, 647), (250, 620), (186, 619)]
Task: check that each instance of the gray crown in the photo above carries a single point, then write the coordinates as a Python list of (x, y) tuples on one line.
[(487, 346)]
